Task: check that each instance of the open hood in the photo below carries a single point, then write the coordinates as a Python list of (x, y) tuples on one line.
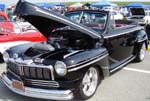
[(46, 21), (137, 11)]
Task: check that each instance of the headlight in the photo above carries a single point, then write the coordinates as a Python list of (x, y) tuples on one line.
[(60, 68), (5, 57)]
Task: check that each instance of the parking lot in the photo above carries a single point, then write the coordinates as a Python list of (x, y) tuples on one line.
[(132, 83)]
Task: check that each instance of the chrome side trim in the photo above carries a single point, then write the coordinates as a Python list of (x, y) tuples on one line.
[(120, 66), (67, 55), (86, 60), (110, 36), (87, 64), (39, 93)]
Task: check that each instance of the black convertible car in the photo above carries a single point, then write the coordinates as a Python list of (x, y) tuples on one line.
[(82, 49)]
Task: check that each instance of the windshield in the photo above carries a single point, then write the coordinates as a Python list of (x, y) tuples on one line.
[(137, 11), (89, 18)]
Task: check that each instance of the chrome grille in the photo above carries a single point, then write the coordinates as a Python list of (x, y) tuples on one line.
[(13, 67), (37, 73), (31, 72), (41, 83)]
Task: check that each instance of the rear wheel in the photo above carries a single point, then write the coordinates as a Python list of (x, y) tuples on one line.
[(89, 84), (141, 53)]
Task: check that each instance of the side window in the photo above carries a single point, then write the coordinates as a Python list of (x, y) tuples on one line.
[(113, 24)]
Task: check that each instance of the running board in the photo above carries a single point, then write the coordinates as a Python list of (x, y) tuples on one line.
[(122, 63)]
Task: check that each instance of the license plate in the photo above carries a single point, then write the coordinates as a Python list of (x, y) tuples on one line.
[(18, 85)]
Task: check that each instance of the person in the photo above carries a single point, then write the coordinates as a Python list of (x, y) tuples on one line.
[(10, 14)]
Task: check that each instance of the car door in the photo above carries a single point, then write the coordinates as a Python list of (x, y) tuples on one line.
[(120, 45)]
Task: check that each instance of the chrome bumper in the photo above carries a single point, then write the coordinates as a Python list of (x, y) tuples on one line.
[(35, 92)]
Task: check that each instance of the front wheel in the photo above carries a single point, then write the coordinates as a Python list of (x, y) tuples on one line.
[(89, 83), (141, 53)]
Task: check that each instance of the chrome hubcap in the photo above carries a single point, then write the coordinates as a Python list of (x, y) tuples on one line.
[(90, 80), (142, 52)]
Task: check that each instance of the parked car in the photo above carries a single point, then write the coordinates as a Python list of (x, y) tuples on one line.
[(10, 39), (117, 15), (147, 17), (85, 53), (140, 15), (5, 23)]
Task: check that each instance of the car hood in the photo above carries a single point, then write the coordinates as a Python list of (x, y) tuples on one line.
[(46, 21), (137, 11)]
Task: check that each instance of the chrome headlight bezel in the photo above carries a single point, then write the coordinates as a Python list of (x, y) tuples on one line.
[(6, 57), (60, 68)]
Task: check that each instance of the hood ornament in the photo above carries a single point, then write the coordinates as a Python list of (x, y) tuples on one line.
[(38, 60)]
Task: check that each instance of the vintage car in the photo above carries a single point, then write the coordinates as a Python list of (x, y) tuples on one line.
[(85, 52), (5, 23), (117, 15), (141, 15), (10, 39), (11, 34)]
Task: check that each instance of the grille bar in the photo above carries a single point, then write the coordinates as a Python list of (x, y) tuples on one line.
[(14, 67), (37, 73), (32, 71), (42, 83)]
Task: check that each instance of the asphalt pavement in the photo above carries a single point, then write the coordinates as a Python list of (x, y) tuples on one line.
[(132, 83)]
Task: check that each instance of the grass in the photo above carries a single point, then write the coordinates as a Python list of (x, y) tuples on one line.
[(125, 3)]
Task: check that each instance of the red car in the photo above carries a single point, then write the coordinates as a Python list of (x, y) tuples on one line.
[(10, 34), (8, 40), (5, 23)]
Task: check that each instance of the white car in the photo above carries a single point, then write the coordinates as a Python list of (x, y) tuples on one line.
[(117, 15), (140, 15), (147, 17)]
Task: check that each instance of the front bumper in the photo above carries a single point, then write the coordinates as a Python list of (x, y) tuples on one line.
[(35, 92)]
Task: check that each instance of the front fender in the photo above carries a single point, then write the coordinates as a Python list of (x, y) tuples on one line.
[(84, 57), (83, 60)]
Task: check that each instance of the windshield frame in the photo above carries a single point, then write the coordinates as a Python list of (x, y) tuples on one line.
[(89, 11)]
